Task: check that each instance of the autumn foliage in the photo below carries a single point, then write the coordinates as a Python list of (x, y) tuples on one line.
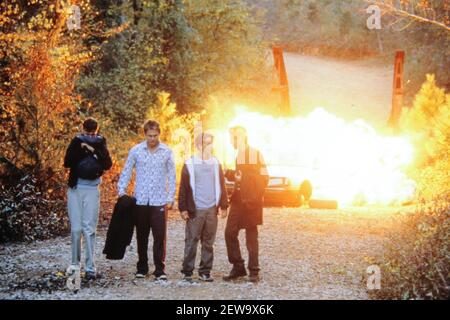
[(115, 67), (40, 59), (417, 261)]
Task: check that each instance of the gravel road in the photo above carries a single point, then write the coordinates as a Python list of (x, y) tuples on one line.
[(305, 254)]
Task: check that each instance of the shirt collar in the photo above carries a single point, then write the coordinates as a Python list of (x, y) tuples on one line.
[(160, 146)]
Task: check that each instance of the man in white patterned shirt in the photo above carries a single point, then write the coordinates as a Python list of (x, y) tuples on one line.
[(154, 192)]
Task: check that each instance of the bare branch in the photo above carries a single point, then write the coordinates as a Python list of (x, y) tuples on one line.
[(403, 13)]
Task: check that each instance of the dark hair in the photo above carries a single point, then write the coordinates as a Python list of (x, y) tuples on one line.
[(151, 125), (202, 137), (90, 125)]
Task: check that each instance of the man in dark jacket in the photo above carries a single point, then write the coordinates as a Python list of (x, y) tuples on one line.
[(83, 194), (246, 212), (202, 193)]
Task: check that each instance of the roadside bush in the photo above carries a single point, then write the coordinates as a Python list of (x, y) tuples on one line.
[(416, 264), (28, 213)]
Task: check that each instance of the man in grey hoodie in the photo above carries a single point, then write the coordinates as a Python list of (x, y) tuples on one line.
[(202, 192)]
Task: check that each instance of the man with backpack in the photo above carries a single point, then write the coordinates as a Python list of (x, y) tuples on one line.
[(88, 157)]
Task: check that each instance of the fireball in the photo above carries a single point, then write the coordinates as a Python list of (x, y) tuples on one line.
[(348, 162)]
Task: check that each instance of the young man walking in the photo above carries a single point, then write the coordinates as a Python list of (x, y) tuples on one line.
[(246, 210), (88, 157), (154, 191), (202, 192)]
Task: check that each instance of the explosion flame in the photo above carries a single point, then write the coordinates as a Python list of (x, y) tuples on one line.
[(348, 162)]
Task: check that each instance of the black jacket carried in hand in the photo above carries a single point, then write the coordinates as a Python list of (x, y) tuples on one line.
[(121, 227), (75, 153)]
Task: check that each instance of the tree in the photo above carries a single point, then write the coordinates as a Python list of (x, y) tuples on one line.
[(416, 263), (431, 12), (190, 49), (149, 56), (227, 48), (41, 60)]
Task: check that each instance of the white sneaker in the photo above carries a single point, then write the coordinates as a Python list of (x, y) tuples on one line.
[(162, 277), (72, 269), (140, 275), (187, 278), (206, 278)]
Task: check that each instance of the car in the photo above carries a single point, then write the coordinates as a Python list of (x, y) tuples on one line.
[(281, 192)]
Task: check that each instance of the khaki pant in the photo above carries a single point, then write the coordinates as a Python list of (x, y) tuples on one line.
[(83, 206), (203, 227)]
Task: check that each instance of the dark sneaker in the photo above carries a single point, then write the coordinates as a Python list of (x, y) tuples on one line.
[(206, 278), (161, 277), (254, 277), (140, 275), (90, 275), (235, 273)]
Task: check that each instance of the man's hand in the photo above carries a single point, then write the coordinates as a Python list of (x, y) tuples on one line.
[(223, 213), (169, 205), (229, 174), (85, 145), (184, 215), (238, 176)]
